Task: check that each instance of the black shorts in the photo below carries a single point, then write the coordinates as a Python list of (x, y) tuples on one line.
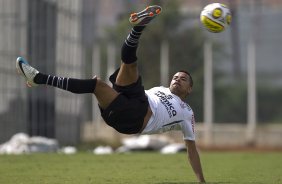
[(126, 113)]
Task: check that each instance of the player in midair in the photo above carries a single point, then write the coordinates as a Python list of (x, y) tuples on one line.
[(126, 106)]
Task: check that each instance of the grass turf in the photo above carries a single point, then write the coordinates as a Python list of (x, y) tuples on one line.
[(140, 168)]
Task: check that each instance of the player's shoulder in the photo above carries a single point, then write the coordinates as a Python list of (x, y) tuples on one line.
[(189, 107), (158, 88)]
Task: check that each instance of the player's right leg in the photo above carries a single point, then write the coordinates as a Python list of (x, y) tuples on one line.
[(128, 73), (145, 16), (103, 92)]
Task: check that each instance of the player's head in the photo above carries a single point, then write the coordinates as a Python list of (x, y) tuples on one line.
[(181, 84)]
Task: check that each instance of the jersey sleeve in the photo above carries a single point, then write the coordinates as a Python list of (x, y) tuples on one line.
[(188, 128)]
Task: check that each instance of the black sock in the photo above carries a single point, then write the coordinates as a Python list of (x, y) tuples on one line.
[(69, 84), (133, 37), (129, 47)]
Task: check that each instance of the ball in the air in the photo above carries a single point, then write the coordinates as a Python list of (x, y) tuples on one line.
[(216, 17)]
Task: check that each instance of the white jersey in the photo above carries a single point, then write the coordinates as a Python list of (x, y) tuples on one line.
[(169, 112)]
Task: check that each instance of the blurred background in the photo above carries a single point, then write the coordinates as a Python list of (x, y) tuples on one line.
[(237, 74)]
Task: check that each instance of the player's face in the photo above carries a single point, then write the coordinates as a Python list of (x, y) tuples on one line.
[(180, 85)]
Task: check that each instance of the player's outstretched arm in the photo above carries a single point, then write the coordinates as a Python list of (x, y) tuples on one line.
[(194, 160)]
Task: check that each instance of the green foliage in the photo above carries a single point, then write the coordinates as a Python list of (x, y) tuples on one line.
[(230, 103), (269, 106)]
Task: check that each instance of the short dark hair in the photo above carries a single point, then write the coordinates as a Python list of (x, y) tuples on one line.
[(190, 77)]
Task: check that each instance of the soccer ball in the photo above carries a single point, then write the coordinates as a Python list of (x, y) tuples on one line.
[(216, 17)]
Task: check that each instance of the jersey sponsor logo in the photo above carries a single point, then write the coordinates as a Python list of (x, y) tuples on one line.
[(165, 101)]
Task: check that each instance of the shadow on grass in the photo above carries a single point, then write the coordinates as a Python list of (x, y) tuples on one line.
[(193, 183), (208, 183)]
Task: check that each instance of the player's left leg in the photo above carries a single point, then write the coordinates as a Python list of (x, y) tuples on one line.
[(103, 92), (34, 78)]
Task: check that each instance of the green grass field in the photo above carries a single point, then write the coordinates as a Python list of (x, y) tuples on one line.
[(140, 168)]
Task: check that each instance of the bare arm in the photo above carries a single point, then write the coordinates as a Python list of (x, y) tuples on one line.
[(194, 160)]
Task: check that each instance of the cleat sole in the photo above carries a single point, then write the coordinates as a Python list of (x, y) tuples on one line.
[(145, 16)]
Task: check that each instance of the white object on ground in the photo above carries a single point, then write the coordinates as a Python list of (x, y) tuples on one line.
[(173, 148), (21, 143), (143, 142), (101, 150), (68, 150)]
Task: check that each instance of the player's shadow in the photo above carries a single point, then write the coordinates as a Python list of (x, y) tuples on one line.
[(221, 182), (192, 183)]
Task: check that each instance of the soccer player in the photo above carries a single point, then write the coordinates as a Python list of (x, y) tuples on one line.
[(126, 106)]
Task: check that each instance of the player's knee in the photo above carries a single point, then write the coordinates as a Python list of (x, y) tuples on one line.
[(102, 86), (100, 83)]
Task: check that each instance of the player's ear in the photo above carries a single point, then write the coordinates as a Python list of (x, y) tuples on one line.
[(189, 89)]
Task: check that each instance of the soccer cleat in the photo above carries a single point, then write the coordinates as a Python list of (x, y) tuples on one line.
[(27, 71), (145, 16)]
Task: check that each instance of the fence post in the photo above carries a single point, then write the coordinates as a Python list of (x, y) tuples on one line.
[(208, 93)]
